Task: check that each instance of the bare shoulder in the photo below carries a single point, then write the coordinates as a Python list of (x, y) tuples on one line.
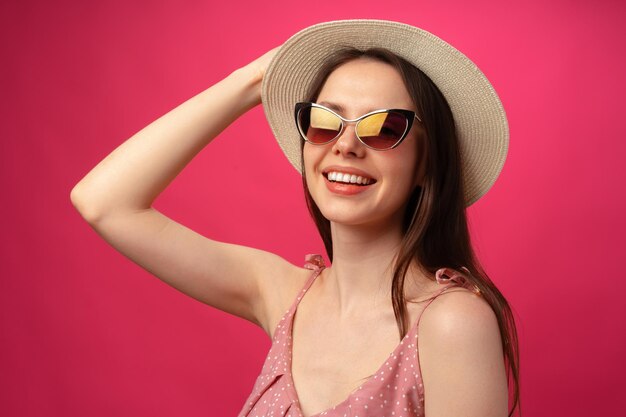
[(277, 291), (460, 352), (458, 312)]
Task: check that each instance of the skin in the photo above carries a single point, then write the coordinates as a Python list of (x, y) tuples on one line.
[(354, 293), (375, 85), (366, 227), (459, 345)]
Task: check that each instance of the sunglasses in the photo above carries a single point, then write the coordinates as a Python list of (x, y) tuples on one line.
[(379, 129)]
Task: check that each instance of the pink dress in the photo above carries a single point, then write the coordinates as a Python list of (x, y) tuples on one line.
[(395, 390)]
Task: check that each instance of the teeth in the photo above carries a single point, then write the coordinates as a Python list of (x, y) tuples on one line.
[(348, 178)]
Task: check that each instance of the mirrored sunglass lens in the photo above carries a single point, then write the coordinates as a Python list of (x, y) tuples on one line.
[(382, 130), (319, 125)]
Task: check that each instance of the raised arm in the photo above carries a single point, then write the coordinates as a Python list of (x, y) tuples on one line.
[(116, 198)]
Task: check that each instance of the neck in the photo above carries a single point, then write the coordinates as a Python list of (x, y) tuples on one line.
[(361, 273)]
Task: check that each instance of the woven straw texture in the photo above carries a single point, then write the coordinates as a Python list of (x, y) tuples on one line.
[(479, 115)]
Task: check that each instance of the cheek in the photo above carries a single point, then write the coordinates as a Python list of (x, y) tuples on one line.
[(307, 161), (312, 156), (310, 160), (412, 157), (404, 167)]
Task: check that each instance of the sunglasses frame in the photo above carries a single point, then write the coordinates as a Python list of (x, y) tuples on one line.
[(409, 114)]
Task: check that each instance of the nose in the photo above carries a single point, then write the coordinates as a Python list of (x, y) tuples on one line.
[(348, 144)]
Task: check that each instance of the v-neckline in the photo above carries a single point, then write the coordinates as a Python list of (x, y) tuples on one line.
[(368, 381)]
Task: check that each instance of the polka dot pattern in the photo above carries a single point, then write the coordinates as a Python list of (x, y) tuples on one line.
[(395, 390)]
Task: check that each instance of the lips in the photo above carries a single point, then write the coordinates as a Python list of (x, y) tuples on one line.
[(347, 180)]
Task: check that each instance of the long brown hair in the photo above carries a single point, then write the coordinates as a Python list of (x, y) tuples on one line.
[(435, 232)]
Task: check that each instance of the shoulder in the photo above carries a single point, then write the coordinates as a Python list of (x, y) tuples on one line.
[(461, 314), (460, 351), (277, 291), (458, 320)]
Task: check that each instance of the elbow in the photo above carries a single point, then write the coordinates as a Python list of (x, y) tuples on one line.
[(88, 211)]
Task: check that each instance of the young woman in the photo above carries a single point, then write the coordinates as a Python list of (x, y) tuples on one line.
[(392, 146)]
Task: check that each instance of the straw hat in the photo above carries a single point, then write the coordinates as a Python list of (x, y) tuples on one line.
[(478, 113)]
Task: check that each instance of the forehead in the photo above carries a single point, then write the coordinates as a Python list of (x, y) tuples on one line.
[(363, 85)]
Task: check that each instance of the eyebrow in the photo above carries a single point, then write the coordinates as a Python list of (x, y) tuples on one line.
[(340, 109), (333, 106)]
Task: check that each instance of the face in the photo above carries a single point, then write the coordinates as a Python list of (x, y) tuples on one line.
[(353, 89)]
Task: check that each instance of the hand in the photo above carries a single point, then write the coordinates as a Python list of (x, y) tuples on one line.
[(255, 71), (258, 66)]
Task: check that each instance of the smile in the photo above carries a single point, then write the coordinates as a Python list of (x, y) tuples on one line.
[(353, 182), (335, 176)]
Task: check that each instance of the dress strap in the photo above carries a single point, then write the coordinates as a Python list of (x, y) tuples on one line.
[(449, 275), (314, 261), (316, 264)]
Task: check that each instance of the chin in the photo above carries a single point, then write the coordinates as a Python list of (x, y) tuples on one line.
[(355, 210), (351, 217)]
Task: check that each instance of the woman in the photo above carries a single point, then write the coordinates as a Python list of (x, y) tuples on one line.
[(387, 174)]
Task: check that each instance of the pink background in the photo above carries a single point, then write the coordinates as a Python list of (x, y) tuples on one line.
[(84, 331)]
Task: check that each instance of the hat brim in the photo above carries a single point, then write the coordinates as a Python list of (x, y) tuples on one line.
[(479, 116)]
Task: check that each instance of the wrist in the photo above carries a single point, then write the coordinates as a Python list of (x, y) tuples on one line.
[(250, 81)]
